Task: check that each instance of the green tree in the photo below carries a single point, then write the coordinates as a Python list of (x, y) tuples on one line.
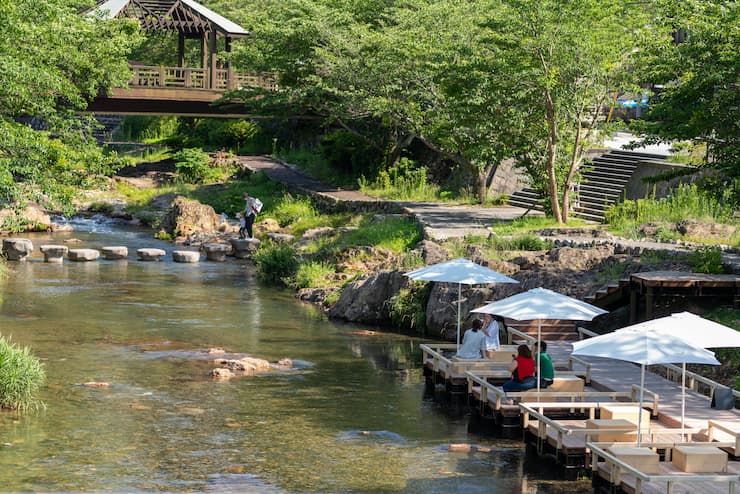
[(566, 58), (52, 60), (698, 78)]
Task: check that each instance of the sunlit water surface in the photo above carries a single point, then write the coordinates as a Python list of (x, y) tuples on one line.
[(351, 417)]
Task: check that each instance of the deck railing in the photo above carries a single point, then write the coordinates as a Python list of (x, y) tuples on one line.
[(194, 78)]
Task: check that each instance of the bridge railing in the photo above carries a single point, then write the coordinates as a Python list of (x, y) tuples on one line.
[(194, 78)]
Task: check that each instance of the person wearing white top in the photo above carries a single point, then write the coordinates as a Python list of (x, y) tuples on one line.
[(250, 212), (490, 328), (474, 342)]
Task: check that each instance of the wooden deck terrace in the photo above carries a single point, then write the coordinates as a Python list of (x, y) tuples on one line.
[(621, 470)]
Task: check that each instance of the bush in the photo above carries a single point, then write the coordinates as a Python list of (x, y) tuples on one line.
[(276, 262), (408, 307), (707, 260), (21, 377), (193, 166), (291, 210)]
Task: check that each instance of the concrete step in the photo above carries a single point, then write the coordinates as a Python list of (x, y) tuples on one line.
[(636, 154), (605, 176)]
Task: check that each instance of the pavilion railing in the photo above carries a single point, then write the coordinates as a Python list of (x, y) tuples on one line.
[(194, 78)]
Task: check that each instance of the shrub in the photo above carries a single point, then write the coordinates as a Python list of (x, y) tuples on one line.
[(276, 262), (193, 166), (707, 260), (408, 307), (21, 377), (291, 209), (312, 274)]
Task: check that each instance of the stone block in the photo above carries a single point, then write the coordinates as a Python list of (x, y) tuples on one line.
[(244, 247), (17, 249), (149, 254), (216, 252), (54, 253), (83, 255), (186, 256), (115, 252)]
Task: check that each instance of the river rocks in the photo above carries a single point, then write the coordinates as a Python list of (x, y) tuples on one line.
[(54, 253), (701, 230), (17, 249), (115, 252), (268, 225), (365, 300), (432, 253), (83, 255), (244, 366), (149, 254), (441, 313), (57, 228), (186, 256), (186, 217), (243, 248), (313, 235), (216, 252)]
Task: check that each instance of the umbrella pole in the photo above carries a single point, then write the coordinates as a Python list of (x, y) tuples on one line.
[(459, 296), (683, 399), (539, 349), (639, 413)]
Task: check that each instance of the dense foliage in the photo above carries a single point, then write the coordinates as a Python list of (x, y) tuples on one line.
[(21, 376), (52, 60)]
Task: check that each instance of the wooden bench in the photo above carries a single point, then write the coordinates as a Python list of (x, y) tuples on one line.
[(631, 413), (629, 434)]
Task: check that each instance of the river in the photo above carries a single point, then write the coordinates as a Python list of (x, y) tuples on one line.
[(351, 417)]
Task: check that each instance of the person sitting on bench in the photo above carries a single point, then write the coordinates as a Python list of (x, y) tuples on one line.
[(522, 371), (547, 371)]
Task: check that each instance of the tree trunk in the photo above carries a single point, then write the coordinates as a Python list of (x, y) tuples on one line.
[(552, 148)]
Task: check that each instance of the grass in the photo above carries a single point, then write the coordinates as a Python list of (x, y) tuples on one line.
[(21, 377), (313, 274), (686, 202), (395, 234), (527, 224)]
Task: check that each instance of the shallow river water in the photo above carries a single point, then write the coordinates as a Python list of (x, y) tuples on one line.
[(351, 417)]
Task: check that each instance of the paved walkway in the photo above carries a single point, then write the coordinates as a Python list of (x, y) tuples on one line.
[(439, 220)]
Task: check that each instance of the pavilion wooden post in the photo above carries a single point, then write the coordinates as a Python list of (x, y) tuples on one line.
[(181, 50), (212, 52)]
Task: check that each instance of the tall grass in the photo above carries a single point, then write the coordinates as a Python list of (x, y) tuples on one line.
[(21, 377), (312, 274), (405, 182), (528, 223), (686, 202)]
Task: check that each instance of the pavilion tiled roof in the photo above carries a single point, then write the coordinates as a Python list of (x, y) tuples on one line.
[(186, 16)]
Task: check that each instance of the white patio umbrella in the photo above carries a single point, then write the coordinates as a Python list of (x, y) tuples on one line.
[(461, 271), (641, 345), (538, 304), (698, 331)]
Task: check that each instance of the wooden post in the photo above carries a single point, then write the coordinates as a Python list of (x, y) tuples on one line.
[(634, 302), (649, 297), (181, 50), (212, 66)]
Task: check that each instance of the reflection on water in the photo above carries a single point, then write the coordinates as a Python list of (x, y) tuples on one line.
[(350, 419)]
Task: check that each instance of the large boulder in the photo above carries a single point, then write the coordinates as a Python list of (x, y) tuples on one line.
[(442, 306), (29, 218), (185, 217), (17, 249), (365, 300)]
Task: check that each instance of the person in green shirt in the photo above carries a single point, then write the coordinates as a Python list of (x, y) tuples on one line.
[(547, 371)]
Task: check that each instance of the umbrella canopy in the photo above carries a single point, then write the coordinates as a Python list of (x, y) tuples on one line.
[(541, 303), (698, 331), (461, 271), (641, 345)]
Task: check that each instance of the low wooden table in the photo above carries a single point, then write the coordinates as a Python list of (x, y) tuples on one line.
[(631, 413), (566, 383), (643, 459), (700, 459), (629, 434)]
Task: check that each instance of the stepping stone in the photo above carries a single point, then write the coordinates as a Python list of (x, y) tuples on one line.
[(281, 237), (17, 249), (54, 253), (150, 254), (189, 256), (115, 252), (244, 247), (216, 252), (83, 255)]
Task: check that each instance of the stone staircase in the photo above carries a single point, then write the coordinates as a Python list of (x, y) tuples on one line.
[(109, 125), (604, 182)]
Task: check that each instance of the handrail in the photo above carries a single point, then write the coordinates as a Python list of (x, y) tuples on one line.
[(618, 467), (656, 398), (157, 76), (674, 372), (529, 339)]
